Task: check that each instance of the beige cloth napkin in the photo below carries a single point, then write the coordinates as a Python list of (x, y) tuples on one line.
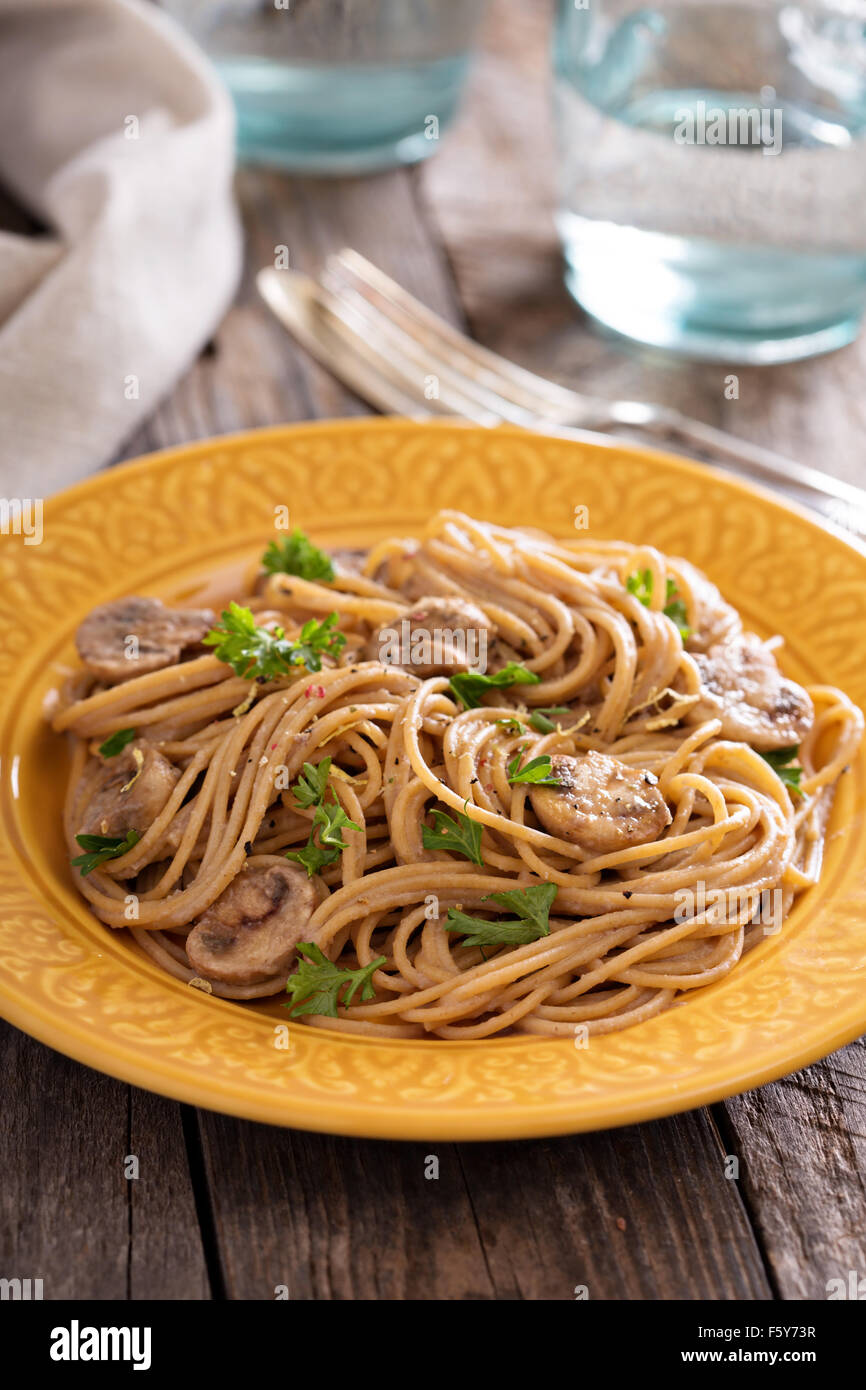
[(116, 134)]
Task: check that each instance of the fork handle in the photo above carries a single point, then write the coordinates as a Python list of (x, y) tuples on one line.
[(850, 501)]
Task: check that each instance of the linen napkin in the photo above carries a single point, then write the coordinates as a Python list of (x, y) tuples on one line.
[(118, 137)]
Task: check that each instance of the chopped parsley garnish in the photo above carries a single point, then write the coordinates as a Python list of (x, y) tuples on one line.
[(312, 858), (116, 742), (259, 653), (781, 761), (311, 786), (640, 583), (540, 718), (99, 848), (317, 639), (676, 611), (463, 836), (538, 770), (326, 847), (329, 819), (469, 686), (532, 906), (511, 726), (296, 554), (316, 984)]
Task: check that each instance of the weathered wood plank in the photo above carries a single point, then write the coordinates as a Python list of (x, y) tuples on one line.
[(640, 1213), (70, 1216), (166, 1256), (330, 1218), (802, 1147)]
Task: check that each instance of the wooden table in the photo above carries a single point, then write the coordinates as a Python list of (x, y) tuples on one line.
[(227, 1209)]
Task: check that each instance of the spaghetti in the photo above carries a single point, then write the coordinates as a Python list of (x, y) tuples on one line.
[(573, 833)]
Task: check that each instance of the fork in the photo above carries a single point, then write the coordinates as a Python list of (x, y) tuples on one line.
[(402, 357)]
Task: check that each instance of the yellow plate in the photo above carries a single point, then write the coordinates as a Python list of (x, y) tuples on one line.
[(158, 525)]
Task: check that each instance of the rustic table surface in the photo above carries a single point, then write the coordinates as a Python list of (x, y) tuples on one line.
[(228, 1209)]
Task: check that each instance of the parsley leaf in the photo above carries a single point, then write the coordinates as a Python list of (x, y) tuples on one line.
[(259, 653), (313, 858), (511, 726), (538, 770), (532, 906), (676, 611), (640, 583), (541, 722), (533, 903), (329, 820), (311, 786), (296, 554), (99, 848), (781, 760), (469, 686), (317, 638), (463, 836), (316, 984), (116, 742)]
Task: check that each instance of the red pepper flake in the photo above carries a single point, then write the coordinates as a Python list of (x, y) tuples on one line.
[(315, 692)]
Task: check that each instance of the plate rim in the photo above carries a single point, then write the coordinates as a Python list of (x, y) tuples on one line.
[(691, 467)]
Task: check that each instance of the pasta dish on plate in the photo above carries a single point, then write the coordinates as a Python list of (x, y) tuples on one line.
[(482, 782)]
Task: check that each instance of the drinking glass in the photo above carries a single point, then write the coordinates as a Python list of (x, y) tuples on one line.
[(337, 86), (712, 163)]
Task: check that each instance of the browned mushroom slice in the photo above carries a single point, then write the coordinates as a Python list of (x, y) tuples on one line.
[(743, 686), (601, 804), (135, 635), (252, 930), (437, 637), (711, 618), (149, 779)]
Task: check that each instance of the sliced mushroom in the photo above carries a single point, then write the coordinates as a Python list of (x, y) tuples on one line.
[(149, 779), (711, 618), (437, 637), (177, 828), (252, 930), (601, 804), (743, 686), (348, 560), (160, 636)]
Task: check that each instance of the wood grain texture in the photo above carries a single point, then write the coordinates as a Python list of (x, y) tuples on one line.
[(802, 1144), (339, 1218), (70, 1216), (639, 1213)]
